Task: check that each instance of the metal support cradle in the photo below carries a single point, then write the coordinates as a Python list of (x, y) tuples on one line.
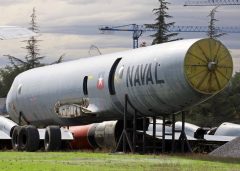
[(128, 137), (124, 136)]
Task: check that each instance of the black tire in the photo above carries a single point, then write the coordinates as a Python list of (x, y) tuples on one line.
[(28, 139), (52, 141), (15, 145)]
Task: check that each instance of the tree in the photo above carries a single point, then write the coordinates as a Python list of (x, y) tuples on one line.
[(163, 34), (7, 76), (32, 59), (224, 107), (213, 32)]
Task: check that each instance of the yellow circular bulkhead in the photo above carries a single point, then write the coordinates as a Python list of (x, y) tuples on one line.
[(208, 66)]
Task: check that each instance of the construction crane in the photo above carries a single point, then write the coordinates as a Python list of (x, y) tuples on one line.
[(138, 30), (212, 2)]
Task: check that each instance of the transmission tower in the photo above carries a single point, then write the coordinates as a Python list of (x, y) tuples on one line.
[(212, 2), (138, 30)]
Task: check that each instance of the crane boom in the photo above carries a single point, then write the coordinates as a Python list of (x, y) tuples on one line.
[(212, 2), (138, 30)]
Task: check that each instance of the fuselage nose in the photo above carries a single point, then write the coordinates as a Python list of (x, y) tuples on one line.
[(11, 103)]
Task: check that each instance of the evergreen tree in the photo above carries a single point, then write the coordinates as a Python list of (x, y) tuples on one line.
[(33, 57), (213, 32), (32, 60), (163, 34)]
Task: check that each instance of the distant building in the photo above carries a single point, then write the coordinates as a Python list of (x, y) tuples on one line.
[(3, 106)]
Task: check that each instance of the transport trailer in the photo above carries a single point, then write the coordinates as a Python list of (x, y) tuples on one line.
[(6, 132), (198, 145), (105, 136)]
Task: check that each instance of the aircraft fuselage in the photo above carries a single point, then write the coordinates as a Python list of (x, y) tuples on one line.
[(157, 80)]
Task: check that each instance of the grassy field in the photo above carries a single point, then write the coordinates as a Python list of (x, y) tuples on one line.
[(82, 161)]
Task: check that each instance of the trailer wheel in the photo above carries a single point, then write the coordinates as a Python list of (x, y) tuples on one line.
[(14, 140), (28, 138), (52, 141)]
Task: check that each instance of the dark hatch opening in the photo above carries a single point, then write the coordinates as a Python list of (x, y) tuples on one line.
[(111, 85), (85, 89)]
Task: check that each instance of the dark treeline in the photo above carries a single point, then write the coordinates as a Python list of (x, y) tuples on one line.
[(224, 107)]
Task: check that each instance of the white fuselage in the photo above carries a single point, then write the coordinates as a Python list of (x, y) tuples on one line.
[(152, 77)]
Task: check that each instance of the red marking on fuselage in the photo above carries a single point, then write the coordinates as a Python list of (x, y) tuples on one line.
[(100, 83)]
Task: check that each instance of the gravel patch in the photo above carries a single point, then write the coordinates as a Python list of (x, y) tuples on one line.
[(230, 149)]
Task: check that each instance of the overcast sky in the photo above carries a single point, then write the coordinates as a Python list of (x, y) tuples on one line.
[(70, 27)]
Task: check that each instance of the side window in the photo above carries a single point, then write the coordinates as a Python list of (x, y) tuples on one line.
[(85, 89), (111, 85)]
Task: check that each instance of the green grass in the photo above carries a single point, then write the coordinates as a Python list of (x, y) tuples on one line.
[(82, 161)]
